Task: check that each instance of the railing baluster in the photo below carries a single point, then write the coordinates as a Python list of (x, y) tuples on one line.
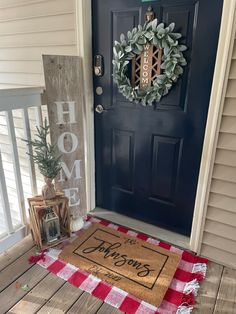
[(16, 165), (38, 115), (27, 134), (5, 200)]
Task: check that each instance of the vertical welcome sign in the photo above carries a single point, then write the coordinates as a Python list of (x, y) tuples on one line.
[(64, 91)]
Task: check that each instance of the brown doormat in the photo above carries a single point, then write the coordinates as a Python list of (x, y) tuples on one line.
[(140, 268)]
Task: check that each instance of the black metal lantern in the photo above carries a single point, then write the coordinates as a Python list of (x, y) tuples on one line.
[(51, 225)]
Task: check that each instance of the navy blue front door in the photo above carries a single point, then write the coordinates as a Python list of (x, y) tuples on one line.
[(148, 158)]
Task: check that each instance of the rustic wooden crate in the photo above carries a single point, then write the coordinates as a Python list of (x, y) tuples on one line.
[(37, 206)]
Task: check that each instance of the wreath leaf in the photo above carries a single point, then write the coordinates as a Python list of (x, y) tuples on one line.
[(154, 24), (160, 26), (171, 27)]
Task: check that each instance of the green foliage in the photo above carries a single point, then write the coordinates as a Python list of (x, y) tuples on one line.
[(45, 154), (172, 60)]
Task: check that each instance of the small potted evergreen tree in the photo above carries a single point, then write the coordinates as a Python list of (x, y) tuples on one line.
[(47, 158)]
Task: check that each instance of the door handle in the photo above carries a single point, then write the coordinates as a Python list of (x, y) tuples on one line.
[(100, 109)]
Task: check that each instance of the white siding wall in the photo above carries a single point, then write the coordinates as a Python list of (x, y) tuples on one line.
[(219, 238), (30, 28)]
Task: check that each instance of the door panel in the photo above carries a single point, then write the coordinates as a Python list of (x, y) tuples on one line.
[(148, 158), (121, 22), (165, 161), (123, 160), (183, 16)]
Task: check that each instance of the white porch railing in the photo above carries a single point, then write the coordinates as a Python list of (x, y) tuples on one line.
[(20, 111)]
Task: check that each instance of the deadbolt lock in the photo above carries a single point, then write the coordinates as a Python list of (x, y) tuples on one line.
[(98, 65)]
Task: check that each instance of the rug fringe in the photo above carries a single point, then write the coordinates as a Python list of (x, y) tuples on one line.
[(36, 258), (192, 287), (200, 268), (183, 309)]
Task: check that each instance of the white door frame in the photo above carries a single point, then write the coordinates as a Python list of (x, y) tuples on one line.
[(218, 91), (225, 46)]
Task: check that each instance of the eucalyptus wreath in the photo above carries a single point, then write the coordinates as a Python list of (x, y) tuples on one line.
[(172, 60)]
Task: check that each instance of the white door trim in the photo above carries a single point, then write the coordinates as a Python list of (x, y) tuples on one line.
[(223, 60), (84, 49), (84, 44)]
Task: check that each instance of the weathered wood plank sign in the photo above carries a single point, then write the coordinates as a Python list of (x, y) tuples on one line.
[(64, 92), (146, 66)]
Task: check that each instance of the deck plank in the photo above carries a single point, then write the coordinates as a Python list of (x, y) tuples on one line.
[(205, 302), (85, 304), (15, 269), (62, 300), (108, 309), (226, 299), (11, 295), (8, 257), (38, 296)]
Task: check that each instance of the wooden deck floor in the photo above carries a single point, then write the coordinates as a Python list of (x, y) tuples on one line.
[(49, 294)]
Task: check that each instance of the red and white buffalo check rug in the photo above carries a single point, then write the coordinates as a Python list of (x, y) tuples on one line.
[(178, 299)]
